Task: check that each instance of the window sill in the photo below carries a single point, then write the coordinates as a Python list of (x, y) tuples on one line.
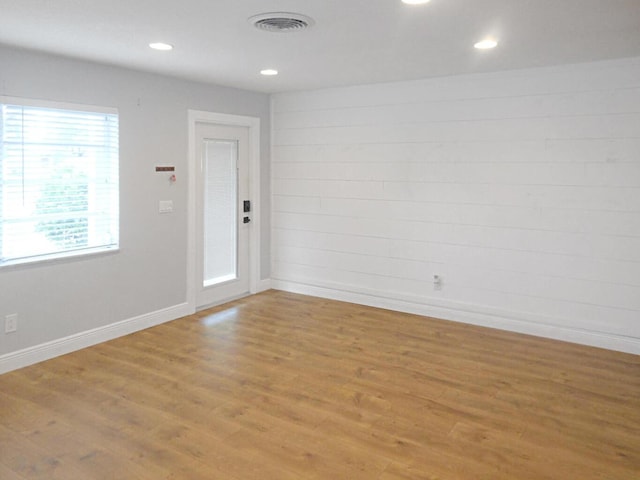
[(58, 257)]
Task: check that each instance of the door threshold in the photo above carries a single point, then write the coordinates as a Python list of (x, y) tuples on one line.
[(222, 302)]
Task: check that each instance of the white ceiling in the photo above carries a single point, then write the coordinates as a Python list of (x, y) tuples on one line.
[(352, 41)]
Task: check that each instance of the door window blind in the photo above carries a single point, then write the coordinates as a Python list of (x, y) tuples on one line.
[(58, 181)]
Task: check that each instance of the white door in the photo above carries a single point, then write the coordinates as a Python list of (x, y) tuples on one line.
[(223, 213)]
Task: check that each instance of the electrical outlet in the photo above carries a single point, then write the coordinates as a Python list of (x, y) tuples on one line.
[(437, 282), (11, 323)]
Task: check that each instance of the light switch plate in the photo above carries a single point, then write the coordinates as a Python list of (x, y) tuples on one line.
[(165, 206)]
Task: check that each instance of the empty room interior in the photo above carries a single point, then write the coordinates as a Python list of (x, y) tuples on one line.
[(320, 239)]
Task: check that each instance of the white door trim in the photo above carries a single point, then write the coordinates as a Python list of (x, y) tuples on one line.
[(253, 124)]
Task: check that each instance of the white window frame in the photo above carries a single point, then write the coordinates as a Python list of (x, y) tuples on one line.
[(114, 199)]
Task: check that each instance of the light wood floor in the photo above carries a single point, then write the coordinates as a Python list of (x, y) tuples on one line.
[(284, 386)]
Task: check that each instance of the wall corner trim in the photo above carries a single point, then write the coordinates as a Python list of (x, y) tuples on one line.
[(78, 341), (263, 285)]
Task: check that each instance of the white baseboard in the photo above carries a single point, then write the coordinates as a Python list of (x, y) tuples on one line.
[(459, 312), (264, 285), (530, 324), (54, 348)]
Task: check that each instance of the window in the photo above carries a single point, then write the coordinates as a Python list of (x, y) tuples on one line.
[(58, 180)]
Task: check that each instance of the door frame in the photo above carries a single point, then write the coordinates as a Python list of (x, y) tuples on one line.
[(223, 119)]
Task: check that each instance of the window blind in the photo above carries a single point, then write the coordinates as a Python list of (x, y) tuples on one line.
[(58, 181)]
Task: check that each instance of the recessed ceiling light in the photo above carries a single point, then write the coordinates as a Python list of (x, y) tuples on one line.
[(486, 44), (161, 46), (415, 2), (269, 72)]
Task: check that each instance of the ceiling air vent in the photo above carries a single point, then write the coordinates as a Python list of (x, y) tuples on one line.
[(282, 22)]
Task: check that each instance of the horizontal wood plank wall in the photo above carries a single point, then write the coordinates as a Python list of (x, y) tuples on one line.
[(521, 190)]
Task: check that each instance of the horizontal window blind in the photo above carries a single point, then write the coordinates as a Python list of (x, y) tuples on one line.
[(58, 182)]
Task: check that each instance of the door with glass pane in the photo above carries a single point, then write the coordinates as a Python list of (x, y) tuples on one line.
[(222, 222)]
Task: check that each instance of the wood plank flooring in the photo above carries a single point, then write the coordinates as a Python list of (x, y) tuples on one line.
[(284, 386)]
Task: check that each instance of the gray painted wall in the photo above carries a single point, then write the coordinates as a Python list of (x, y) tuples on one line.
[(62, 298)]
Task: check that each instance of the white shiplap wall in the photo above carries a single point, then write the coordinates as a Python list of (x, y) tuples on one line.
[(520, 189)]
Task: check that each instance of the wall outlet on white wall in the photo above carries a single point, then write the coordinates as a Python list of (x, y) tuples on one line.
[(11, 323), (437, 282)]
